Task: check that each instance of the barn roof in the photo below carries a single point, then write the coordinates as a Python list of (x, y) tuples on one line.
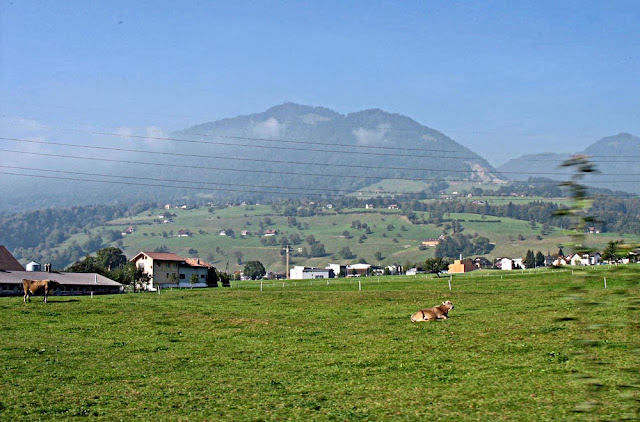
[(64, 278), (8, 262)]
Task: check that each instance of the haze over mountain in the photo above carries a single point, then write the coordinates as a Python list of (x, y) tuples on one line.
[(288, 150), (616, 157)]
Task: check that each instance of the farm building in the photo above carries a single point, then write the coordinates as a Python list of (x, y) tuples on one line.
[(70, 283), (462, 266), (300, 272)]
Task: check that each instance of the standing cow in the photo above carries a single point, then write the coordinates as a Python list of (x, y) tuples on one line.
[(32, 287)]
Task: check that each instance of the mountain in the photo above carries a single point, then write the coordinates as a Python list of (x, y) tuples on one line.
[(616, 158), (287, 150), (315, 150)]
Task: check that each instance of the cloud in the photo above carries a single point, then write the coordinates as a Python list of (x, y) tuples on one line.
[(154, 132), (366, 136), (124, 132), (270, 128)]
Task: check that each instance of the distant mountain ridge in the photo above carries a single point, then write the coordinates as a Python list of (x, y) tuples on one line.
[(616, 157), (387, 145)]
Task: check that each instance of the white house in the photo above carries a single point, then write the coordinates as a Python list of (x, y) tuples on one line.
[(505, 264), (575, 260), (336, 268), (360, 269), (560, 262)]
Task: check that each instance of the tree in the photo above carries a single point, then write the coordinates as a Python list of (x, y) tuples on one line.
[(610, 251), (435, 265), (346, 253), (110, 258), (87, 265), (529, 259), (317, 250), (539, 259), (194, 279), (254, 270), (239, 255)]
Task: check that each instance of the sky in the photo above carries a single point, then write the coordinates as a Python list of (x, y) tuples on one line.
[(504, 78)]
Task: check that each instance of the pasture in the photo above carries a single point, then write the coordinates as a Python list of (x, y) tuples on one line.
[(539, 346)]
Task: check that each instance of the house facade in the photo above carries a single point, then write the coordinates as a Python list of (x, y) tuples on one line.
[(171, 270), (196, 267)]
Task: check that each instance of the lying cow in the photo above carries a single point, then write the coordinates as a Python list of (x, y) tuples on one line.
[(32, 287), (436, 312)]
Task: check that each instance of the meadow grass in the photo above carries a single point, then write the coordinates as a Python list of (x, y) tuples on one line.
[(514, 348)]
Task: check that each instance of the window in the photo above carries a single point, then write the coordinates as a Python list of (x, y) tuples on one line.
[(181, 276)]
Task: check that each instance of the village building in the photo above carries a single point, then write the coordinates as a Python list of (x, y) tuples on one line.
[(482, 263), (462, 266), (171, 270), (339, 270), (359, 270), (300, 272)]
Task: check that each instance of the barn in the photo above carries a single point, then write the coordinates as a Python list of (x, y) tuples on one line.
[(71, 284)]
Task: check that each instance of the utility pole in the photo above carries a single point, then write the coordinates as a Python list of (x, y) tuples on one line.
[(287, 261)]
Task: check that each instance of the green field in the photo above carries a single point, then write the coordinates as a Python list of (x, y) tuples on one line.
[(397, 245), (518, 346)]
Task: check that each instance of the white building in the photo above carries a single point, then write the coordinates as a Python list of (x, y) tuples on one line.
[(300, 272)]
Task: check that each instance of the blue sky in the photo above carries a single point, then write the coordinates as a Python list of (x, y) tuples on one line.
[(504, 78)]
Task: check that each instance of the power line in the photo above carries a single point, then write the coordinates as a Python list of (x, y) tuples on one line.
[(306, 163), (330, 192), (394, 150), (220, 157), (391, 149), (198, 181)]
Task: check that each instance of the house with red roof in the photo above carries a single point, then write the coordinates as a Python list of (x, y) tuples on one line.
[(171, 270)]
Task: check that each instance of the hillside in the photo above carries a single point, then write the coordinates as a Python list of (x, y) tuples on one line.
[(615, 156), (377, 236)]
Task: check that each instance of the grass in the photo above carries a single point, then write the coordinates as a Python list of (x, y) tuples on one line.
[(318, 351)]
